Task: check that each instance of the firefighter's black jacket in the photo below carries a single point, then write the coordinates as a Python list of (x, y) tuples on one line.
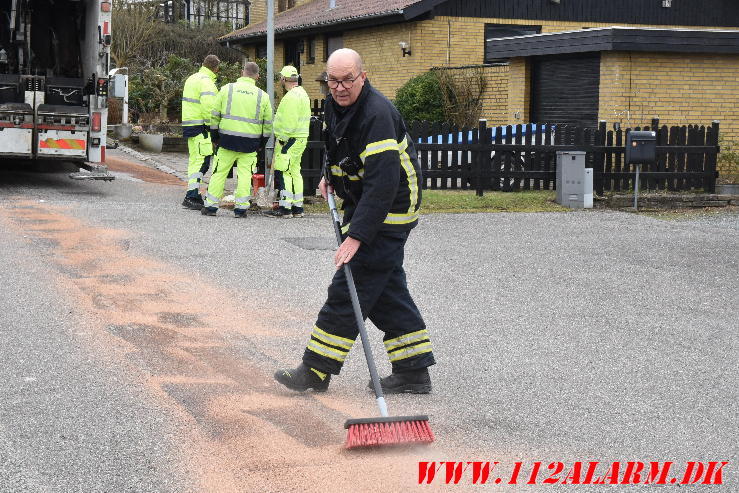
[(373, 166)]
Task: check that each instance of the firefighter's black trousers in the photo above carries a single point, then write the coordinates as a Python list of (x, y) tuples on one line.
[(378, 273)]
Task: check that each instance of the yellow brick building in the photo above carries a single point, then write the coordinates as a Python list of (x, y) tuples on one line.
[(634, 86)]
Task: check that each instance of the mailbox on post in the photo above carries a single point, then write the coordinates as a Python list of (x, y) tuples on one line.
[(641, 148)]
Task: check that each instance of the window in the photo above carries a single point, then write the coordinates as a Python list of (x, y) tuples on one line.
[(311, 58), (493, 31), (233, 12), (332, 43), (261, 51), (283, 5)]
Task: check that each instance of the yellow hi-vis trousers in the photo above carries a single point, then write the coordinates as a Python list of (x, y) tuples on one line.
[(224, 161), (199, 148), (289, 163)]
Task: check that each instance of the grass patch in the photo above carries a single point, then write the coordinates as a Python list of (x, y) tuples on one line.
[(456, 201), (459, 201)]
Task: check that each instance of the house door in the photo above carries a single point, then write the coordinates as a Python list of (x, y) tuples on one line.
[(564, 89), (293, 48)]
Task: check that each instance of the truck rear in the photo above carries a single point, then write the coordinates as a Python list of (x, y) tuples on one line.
[(54, 57)]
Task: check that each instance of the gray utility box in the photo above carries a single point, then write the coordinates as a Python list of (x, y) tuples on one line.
[(641, 147), (574, 180), (117, 86)]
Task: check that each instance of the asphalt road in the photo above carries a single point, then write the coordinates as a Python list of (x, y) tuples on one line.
[(139, 339)]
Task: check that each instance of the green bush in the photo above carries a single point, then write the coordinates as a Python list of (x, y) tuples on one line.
[(155, 93), (156, 90), (421, 99), (728, 161)]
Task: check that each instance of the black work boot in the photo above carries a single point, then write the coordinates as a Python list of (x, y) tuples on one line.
[(239, 212), (302, 378), (209, 211), (194, 202), (406, 382), (282, 212)]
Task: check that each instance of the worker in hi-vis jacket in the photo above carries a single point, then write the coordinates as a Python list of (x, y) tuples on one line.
[(240, 124), (291, 136), (198, 98)]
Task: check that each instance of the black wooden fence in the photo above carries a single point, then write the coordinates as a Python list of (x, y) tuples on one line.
[(523, 157)]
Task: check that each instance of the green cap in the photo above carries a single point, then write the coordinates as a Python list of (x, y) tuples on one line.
[(289, 71)]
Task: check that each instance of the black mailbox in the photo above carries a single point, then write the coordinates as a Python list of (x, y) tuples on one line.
[(641, 147)]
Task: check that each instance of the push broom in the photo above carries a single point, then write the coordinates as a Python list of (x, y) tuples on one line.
[(385, 430)]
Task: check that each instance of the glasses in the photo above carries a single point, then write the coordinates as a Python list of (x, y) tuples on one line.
[(346, 83)]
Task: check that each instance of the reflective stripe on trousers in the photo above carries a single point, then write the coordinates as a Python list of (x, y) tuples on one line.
[(196, 147), (378, 272), (224, 161), (292, 192)]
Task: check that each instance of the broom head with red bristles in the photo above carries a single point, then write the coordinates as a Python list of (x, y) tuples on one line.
[(395, 430)]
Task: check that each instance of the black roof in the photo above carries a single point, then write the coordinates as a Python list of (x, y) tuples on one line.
[(616, 39)]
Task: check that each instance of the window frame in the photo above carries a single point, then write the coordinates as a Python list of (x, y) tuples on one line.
[(311, 56), (326, 38)]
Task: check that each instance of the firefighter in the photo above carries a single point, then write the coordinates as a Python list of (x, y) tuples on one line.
[(198, 98), (372, 165), (291, 134), (240, 124)]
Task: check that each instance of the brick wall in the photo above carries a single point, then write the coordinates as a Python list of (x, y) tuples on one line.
[(519, 91), (258, 11), (680, 89)]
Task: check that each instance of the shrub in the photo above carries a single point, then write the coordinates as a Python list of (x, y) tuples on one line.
[(728, 161), (156, 88), (462, 91), (421, 99)]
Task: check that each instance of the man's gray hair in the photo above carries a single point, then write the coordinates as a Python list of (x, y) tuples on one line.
[(251, 69)]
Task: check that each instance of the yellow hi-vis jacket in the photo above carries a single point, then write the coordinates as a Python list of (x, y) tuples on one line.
[(242, 116), (198, 98), (293, 115)]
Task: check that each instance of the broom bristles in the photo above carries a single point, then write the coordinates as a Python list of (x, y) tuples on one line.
[(375, 434)]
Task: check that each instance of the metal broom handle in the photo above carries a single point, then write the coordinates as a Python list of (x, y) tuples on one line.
[(358, 313)]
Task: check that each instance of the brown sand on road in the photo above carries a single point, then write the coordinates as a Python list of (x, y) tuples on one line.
[(141, 172), (246, 433)]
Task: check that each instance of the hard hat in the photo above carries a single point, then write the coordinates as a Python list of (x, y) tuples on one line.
[(289, 71)]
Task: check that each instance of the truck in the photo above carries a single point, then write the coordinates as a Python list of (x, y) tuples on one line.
[(54, 64)]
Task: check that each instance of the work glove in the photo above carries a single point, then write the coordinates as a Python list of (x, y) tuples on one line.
[(215, 137), (287, 145), (205, 131), (263, 142), (205, 165)]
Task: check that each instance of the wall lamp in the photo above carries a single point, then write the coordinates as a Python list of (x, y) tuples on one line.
[(554, 2), (405, 47)]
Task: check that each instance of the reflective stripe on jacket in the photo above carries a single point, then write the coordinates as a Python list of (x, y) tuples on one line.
[(242, 115), (198, 98), (381, 184), (293, 115)]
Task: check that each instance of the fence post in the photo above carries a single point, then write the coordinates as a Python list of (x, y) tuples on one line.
[(709, 183), (482, 131), (599, 162)]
